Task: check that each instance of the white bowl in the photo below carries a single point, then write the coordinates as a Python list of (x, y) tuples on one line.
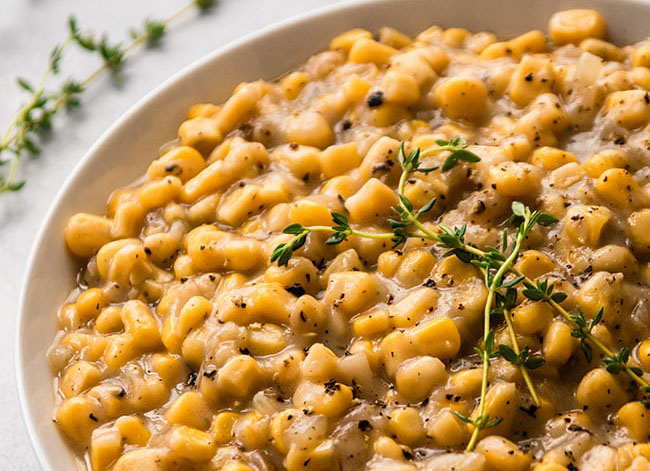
[(124, 151)]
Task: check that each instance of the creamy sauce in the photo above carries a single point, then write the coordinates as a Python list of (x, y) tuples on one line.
[(185, 348)]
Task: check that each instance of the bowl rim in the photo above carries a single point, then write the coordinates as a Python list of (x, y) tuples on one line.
[(87, 160)]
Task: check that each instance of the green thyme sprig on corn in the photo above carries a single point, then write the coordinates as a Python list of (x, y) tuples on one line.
[(501, 277)]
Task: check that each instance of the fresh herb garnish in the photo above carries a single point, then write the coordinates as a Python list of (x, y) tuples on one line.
[(35, 117), (500, 275)]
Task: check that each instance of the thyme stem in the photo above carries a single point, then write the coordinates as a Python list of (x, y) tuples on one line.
[(486, 370), (492, 288), (367, 235), (412, 218), (522, 367), (436, 150), (330, 229)]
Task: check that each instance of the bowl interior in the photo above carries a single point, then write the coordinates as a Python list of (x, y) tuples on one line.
[(124, 151)]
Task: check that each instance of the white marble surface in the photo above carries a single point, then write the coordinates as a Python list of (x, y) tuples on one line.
[(28, 29)]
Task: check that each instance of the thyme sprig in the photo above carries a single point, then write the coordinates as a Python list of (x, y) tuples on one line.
[(495, 264), (615, 363), (543, 292), (457, 149), (407, 216), (111, 54), (341, 230), (495, 259), (35, 117), (583, 329)]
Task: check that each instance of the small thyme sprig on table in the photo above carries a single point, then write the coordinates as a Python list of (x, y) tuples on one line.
[(35, 116)]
